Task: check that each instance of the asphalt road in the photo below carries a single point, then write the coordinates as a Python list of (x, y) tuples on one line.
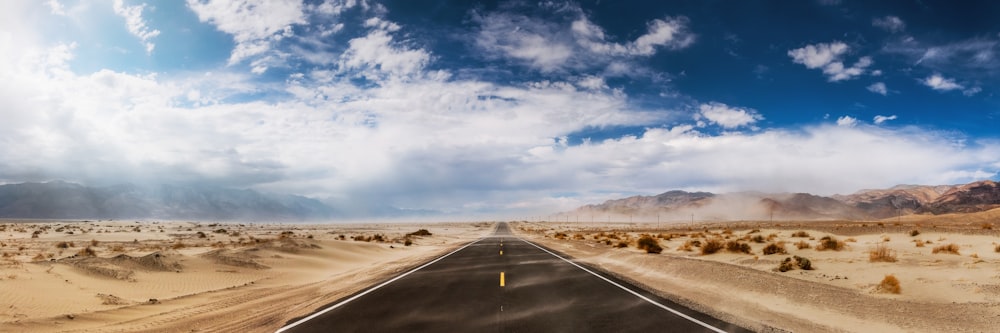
[(524, 288)]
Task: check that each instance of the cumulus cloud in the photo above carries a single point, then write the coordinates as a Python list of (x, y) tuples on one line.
[(940, 83), (254, 24), (726, 116), (879, 119), (878, 88), (136, 25), (847, 121), (889, 23), (571, 40), (829, 58)]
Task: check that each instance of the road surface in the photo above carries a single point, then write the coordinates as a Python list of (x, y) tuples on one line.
[(501, 283)]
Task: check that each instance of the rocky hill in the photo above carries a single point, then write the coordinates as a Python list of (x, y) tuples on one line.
[(866, 204)]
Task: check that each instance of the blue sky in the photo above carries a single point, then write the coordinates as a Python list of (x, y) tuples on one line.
[(506, 108)]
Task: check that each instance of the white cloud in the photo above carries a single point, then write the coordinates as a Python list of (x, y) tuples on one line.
[(940, 83), (56, 8), (878, 88), (828, 57), (847, 121), (879, 119), (134, 22), (972, 91), (376, 53), (573, 41), (889, 23), (254, 24), (726, 116)]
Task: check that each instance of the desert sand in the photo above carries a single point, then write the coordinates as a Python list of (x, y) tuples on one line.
[(128, 276), (946, 291)]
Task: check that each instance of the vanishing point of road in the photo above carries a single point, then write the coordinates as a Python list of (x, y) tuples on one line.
[(501, 283)]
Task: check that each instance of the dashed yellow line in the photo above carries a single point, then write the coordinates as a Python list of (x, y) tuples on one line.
[(501, 252), (501, 279)]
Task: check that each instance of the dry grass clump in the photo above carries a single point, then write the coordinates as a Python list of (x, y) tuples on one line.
[(890, 284), (737, 247), (988, 226), (798, 262), (621, 244), (649, 244), (914, 232), (560, 235), (758, 239), (830, 243), (802, 245), (996, 248), (87, 252), (882, 253), (947, 249), (919, 243), (800, 233), (712, 246), (774, 248), (64, 245)]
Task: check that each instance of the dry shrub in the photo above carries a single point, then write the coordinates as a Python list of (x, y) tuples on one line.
[(38, 257), (178, 245), (798, 262), (712, 246), (914, 232), (800, 233), (996, 248), (919, 243), (94, 242), (686, 246), (621, 244), (772, 237), (890, 284), (63, 245), (758, 239), (988, 226), (851, 240), (727, 231), (882, 253), (948, 249), (774, 248), (830, 243), (560, 236), (802, 245), (87, 252), (649, 244), (734, 246)]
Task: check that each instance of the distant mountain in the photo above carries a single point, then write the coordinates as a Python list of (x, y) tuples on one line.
[(866, 204), (973, 197), (63, 200)]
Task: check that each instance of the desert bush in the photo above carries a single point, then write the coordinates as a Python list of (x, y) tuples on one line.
[(988, 226), (560, 235), (851, 240), (407, 242), (918, 242), (889, 284), (757, 239), (786, 265), (754, 231), (63, 245), (727, 231), (802, 245), (800, 233), (421, 232), (685, 247), (221, 231), (914, 232), (117, 248), (737, 247), (649, 244), (94, 242), (38, 257), (178, 245), (607, 242), (948, 249), (621, 244), (882, 253), (578, 236), (201, 235), (803, 263), (996, 248), (87, 252), (712, 246), (830, 243), (774, 248)]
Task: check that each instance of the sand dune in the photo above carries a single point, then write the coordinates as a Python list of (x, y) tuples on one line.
[(183, 276)]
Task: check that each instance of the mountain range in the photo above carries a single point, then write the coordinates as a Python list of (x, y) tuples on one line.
[(65, 200), (865, 204)]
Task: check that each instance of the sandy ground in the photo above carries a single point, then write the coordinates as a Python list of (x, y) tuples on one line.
[(843, 292), (114, 276)]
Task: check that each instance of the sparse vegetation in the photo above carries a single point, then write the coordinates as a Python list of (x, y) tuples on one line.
[(87, 252), (914, 233), (919, 243), (800, 233), (882, 253), (830, 243), (63, 245), (737, 247), (424, 232), (774, 248), (712, 246), (407, 242), (758, 239), (889, 284), (947, 249), (648, 243), (621, 244), (798, 262), (802, 245)]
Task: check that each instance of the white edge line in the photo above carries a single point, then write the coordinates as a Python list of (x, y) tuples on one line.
[(321, 312), (647, 299)]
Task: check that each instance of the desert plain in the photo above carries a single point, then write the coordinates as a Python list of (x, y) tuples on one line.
[(768, 276), (151, 276)]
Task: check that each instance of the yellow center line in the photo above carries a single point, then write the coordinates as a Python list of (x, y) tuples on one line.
[(501, 252), (501, 279)]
